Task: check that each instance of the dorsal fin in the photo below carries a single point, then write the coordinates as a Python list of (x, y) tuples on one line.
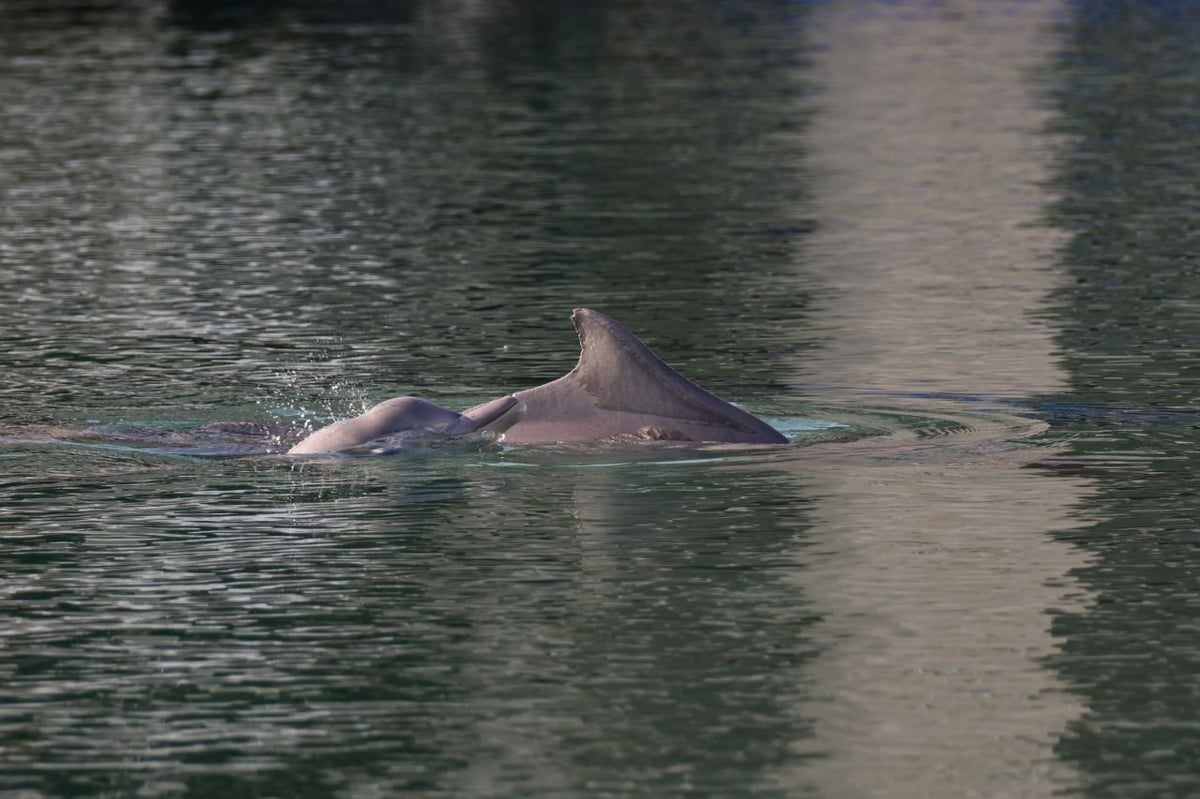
[(622, 374)]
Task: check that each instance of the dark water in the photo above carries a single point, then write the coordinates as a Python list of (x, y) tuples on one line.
[(963, 232)]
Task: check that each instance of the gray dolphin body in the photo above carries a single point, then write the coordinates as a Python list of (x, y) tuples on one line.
[(396, 415), (619, 389)]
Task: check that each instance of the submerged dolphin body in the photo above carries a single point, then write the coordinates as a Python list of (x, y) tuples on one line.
[(619, 389)]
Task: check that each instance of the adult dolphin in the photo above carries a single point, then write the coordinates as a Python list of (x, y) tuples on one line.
[(619, 389)]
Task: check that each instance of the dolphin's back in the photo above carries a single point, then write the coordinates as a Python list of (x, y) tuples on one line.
[(620, 387)]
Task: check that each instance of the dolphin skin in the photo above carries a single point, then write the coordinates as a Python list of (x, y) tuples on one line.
[(619, 390), (396, 415)]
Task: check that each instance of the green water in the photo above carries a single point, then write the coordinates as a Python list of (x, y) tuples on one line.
[(964, 234)]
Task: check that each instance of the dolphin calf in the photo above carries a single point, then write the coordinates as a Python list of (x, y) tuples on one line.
[(619, 390), (396, 415)]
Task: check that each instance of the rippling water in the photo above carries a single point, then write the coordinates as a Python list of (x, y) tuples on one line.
[(946, 250)]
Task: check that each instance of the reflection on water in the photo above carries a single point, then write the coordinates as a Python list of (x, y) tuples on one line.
[(930, 164), (1129, 99), (937, 578), (287, 210), (396, 623), (247, 192)]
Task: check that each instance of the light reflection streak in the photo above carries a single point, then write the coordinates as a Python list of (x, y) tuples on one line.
[(937, 578)]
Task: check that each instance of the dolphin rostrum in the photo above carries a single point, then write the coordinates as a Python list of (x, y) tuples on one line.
[(619, 389)]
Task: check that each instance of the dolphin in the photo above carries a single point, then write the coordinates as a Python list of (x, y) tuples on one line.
[(618, 390), (396, 415)]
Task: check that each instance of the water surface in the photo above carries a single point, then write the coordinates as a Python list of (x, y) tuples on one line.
[(959, 235)]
